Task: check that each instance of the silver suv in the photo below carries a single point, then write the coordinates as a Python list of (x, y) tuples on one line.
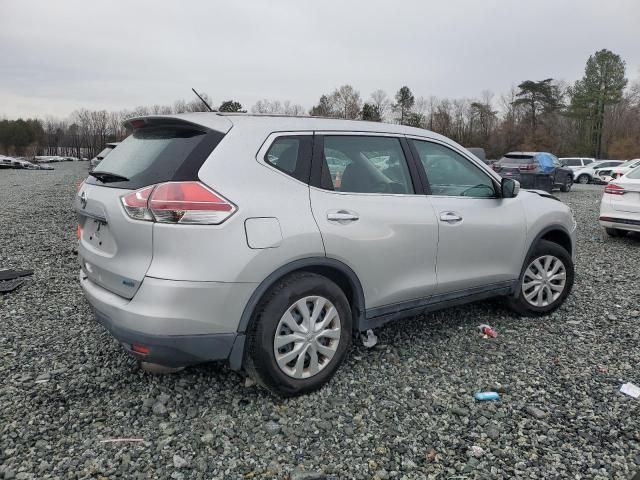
[(269, 242)]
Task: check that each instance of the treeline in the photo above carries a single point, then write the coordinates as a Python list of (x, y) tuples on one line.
[(597, 116)]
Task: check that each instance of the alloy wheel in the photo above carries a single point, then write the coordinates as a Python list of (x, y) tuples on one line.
[(307, 337), (544, 281)]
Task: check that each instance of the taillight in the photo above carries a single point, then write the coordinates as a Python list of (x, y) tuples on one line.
[(528, 166), (613, 189), (178, 202), (135, 203)]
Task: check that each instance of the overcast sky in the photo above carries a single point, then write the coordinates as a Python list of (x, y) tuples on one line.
[(57, 56)]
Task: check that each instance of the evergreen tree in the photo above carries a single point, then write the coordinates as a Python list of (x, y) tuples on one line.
[(601, 86), (404, 103)]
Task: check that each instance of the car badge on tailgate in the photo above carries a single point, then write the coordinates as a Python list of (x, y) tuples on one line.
[(83, 200)]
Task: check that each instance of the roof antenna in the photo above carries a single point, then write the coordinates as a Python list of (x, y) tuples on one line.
[(202, 99)]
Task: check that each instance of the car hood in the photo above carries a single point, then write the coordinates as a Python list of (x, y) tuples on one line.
[(542, 193)]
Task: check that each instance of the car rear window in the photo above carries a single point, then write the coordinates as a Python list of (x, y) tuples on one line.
[(158, 154), (517, 159)]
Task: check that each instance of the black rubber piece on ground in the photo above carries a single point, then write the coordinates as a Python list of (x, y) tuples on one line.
[(11, 274)]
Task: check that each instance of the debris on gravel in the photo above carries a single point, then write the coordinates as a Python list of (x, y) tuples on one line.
[(403, 409)]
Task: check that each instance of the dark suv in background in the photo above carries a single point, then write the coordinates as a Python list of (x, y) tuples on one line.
[(540, 170)]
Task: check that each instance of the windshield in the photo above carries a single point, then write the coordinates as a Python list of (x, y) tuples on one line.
[(634, 174), (629, 163), (157, 154)]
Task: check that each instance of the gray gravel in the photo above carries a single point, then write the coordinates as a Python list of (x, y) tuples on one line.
[(403, 409)]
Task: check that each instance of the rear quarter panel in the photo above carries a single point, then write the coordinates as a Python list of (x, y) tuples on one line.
[(221, 252)]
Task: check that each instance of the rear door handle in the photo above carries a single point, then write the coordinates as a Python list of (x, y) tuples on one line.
[(342, 216), (450, 217)]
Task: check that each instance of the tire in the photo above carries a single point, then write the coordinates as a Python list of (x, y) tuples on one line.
[(583, 179), (566, 186), (269, 322), (615, 232), (519, 303)]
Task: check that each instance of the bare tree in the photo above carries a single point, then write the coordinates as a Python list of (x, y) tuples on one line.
[(381, 101), (347, 102)]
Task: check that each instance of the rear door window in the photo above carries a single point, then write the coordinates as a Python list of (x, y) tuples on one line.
[(157, 154), (573, 162), (365, 164)]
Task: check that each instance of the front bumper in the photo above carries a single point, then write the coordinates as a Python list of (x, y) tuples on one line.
[(179, 323)]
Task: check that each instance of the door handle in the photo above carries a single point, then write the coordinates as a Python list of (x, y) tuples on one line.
[(342, 216), (450, 217)]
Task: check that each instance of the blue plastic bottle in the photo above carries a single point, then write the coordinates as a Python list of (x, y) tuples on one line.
[(485, 396)]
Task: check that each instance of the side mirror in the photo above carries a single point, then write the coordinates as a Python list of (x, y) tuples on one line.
[(509, 188)]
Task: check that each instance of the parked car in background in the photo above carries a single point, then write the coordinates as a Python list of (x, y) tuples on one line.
[(575, 163), (620, 205), (605, 175), (271, 246), (587, 174), (95, 161), (478, 152), (524, 165)]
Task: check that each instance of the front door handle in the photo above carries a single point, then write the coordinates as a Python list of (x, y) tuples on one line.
[(450, 217), (342, 216)]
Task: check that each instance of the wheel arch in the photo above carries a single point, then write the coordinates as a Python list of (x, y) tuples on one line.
[(335, 270), (553, 233)]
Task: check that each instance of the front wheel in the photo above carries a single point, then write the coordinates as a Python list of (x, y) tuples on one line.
[(300, 335), (545, 282), (584, 179)]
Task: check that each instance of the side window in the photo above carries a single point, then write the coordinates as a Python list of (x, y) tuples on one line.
[(587, 161), (451, 174), (573, 162), (365, 164), (292, 155)]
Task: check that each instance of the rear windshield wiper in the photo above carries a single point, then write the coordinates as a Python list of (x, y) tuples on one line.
[(106, 177)]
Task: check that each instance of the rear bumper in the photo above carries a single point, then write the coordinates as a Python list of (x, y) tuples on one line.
[(180, 323), (628, 224)]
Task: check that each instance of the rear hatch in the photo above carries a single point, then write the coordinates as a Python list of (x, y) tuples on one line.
[(630, 201), (115, 250), (511, 165)]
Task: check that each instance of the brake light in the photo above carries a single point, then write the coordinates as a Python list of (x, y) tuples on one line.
[(613, 189), (178, 202), (528, 166), (135, 203)]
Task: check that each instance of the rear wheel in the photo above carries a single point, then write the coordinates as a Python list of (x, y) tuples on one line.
[(566, 186), (545, 282), (584, 179), (615, 232), (300, 335)]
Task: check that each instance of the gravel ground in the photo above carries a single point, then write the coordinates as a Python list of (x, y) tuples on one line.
[(403, 409)]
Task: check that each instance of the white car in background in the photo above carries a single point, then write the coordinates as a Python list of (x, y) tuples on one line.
[(608, 174), (575, 163), (620, 205), (587, 174)]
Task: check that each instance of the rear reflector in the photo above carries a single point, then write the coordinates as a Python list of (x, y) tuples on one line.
[(178, 202), (613, 189)]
